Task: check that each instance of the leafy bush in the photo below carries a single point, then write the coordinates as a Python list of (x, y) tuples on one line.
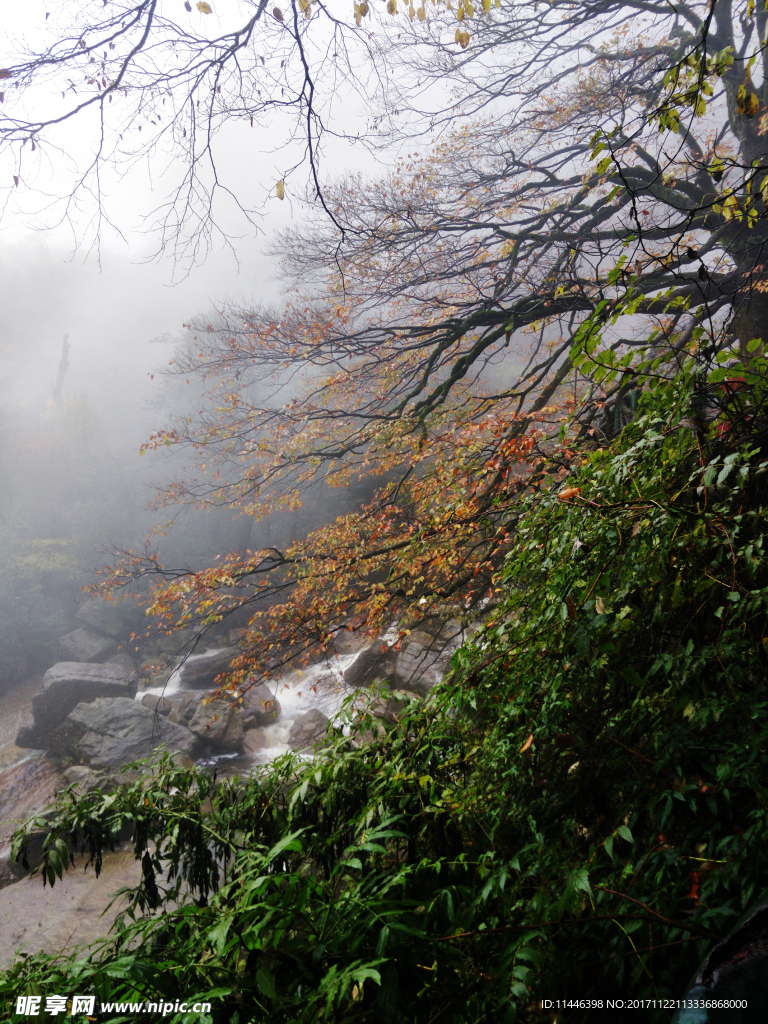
[(578, 811)]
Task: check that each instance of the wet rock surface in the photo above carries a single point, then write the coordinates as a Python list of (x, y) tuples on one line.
[(260, 706), (421, 663), (25, 790), (375, 661), (735, 970), (124, 660), (85, 645), (53, 920), (66, 685), (110, 732), (201, 669), (308, 730), (219, 724), (179, 707), (255, 741), (157, 703)]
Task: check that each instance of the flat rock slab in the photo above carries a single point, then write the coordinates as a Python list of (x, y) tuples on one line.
[(64, 687), (51, 920), (11, 755), (85, 645), (24, 790), (111, 732)]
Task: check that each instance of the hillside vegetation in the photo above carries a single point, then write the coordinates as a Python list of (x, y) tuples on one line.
[(579, 809)]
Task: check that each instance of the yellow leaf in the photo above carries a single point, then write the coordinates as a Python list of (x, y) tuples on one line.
[(464, 40), (457, 36), (527, 744), (487, 6), (421, 14), (470, 10), (280, 189), (460, 14), (741, 97), (411, 13), (751, 105), (204, 8), (391, 6)]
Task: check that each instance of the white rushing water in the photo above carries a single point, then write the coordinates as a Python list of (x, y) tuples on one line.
[(318, 686)]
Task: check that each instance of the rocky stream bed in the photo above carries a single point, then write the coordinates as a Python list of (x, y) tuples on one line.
[(97, 709)]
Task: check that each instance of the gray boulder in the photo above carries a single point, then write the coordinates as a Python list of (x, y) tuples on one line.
[(124, 660), (219, 723), (392, 709), (110, 617), (83, 781), (30, 735), (156, 672), (370, 664), (180, 707), (183, 705), (421, 663), (254, 741), (111, 732), (260, 706), (159, 705), (308, 730), (66, 685), (201, 669), (85, 645)]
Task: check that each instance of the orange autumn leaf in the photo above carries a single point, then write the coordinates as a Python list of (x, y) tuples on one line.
[(568, 493)]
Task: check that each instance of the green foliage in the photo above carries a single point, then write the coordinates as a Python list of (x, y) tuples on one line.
[(579, 810)]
